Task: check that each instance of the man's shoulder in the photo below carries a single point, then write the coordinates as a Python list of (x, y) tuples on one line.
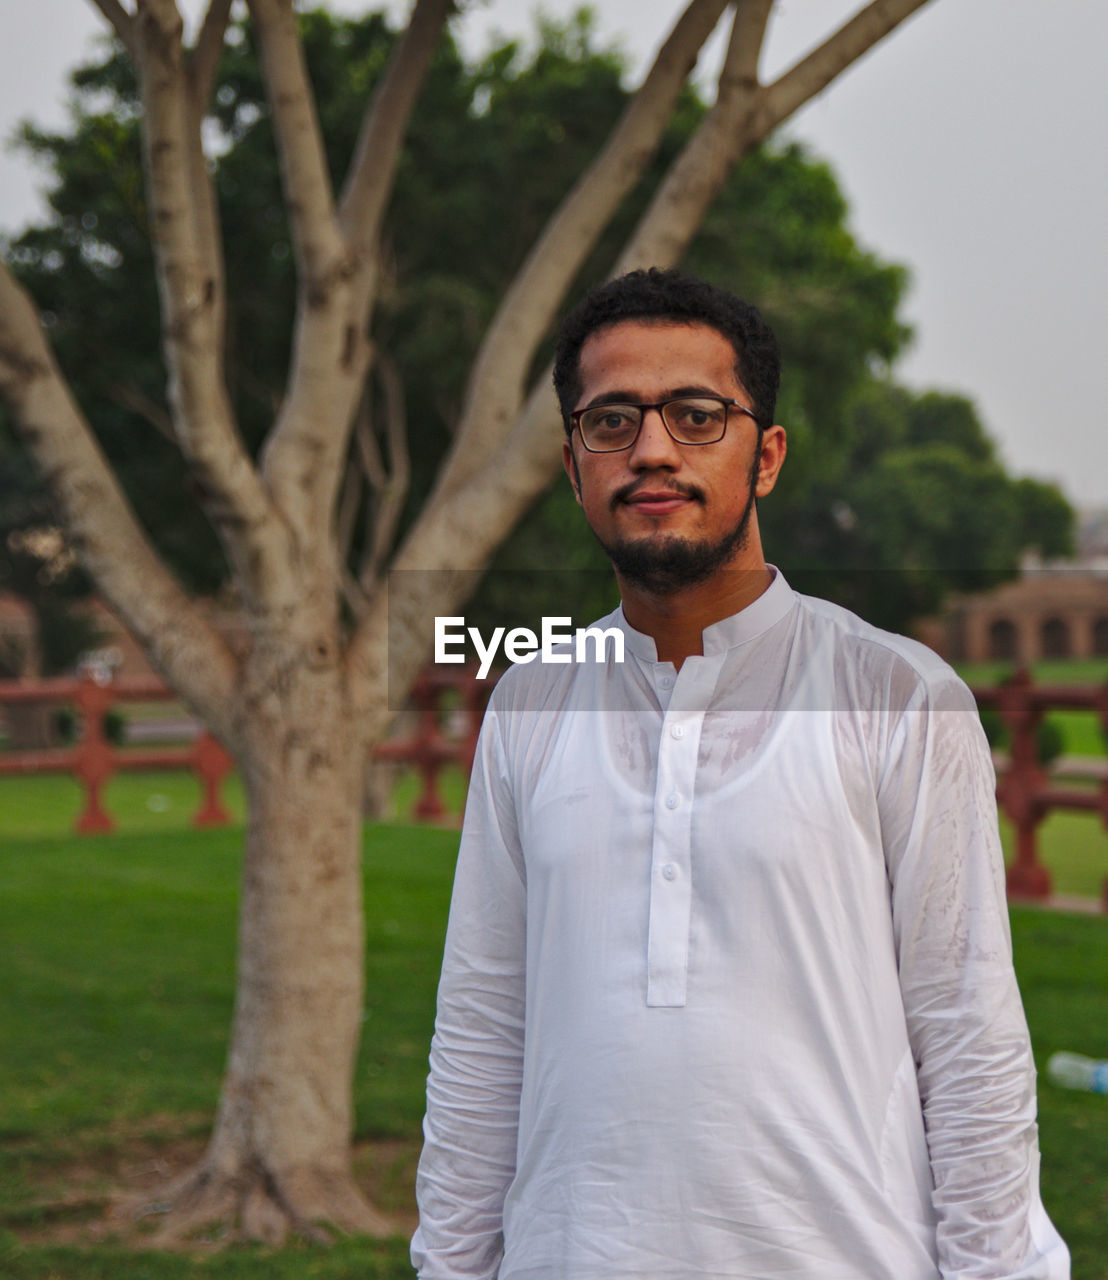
[(872, 655)]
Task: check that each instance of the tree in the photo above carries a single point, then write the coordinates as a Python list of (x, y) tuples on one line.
[(777, 233), (302, 703), (915, 504)]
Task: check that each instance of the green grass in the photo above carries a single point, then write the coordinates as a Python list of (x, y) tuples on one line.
[(40, 804), (347, 1260), (117, 957), (1074, 849), (49, 804), (1082, 733), (1062, 962), (117, 953)]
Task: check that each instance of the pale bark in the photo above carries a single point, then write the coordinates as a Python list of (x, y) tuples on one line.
[(391, 484), (698, 173), (304, 453), (189, 277), (496, 385), (170, 626), (317, 241), (303, 704), (200, 72), (473, 506), (339, 254), (817, 70), (280, 1151), (204, 57), (122, 22), (373, 171)]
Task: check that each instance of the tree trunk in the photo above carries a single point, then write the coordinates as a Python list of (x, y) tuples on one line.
[(279, 1155)]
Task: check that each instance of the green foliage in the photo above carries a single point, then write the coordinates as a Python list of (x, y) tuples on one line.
[(913, 505), (889, 499)]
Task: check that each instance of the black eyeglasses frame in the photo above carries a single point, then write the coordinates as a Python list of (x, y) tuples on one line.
[(661, 406)]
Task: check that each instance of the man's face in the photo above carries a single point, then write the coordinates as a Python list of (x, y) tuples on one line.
[(670, 515)]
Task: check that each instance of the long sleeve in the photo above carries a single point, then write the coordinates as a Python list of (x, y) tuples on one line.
[(477, 1051), (965, 1019)]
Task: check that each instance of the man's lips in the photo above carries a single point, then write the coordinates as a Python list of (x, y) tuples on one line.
[(657, 505), (655, 501)]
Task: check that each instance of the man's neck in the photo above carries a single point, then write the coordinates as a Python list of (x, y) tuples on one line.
[(676, 621)]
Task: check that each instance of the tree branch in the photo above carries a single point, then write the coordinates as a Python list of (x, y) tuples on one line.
[(815, 72), (496, 385), (202, 63), (204, 58), (131, 396), (309, 197), (172, 629), (122, 22), (305, 453), (738, 122), (185, 241), (346, 515), (370, 181), (394, 489), (448, 536), (700, 170)]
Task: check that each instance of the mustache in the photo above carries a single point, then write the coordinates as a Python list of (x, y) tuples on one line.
[(628, 491)]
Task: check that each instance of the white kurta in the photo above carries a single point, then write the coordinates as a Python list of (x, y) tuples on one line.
[(727, 989)]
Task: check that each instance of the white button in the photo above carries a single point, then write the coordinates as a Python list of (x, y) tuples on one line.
[(669, 871), (677, 731), (666, 682), (673, 801)]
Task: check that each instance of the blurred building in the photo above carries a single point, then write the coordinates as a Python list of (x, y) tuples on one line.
[(1055, 609)]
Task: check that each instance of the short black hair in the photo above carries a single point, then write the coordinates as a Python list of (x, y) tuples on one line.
[(671, 296)]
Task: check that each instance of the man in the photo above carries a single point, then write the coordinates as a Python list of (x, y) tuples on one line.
[(727, 989)]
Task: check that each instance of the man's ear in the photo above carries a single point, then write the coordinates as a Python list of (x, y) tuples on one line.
[(569, 462), (770, 459)]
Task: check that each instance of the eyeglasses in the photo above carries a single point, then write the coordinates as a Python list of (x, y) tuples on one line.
[(608, 428)]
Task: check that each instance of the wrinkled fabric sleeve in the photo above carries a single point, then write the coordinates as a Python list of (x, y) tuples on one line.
[(473, 1089), (965, 1019)]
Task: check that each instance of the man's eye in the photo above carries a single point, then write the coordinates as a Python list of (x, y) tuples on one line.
[(612, 418), (695, 414)]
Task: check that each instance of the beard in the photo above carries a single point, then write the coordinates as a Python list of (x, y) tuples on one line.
[(664, 564)]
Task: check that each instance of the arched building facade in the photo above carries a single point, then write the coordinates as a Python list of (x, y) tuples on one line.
[(1044, 614)]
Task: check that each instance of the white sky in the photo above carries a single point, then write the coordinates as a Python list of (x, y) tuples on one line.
[(970, 146)]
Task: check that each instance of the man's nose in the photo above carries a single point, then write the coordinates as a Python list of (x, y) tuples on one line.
[(654, 446)]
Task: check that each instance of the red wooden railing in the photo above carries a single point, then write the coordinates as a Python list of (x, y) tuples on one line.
[(427, 747), (1027, 791), (93, 760)]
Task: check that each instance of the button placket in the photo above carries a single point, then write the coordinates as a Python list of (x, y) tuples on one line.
[(671, 863)]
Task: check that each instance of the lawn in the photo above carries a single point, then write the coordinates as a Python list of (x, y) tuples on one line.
[(117, 957), (1081, 731)]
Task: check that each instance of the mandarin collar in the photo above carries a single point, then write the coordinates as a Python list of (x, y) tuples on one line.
[(770, 607)]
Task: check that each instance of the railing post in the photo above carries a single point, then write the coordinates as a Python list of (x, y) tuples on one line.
[(428, 757), (212, 763), (92, 759), (1102, 709), (1024, 779)]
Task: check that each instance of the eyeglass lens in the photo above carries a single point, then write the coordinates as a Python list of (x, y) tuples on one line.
[(699, 420)]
